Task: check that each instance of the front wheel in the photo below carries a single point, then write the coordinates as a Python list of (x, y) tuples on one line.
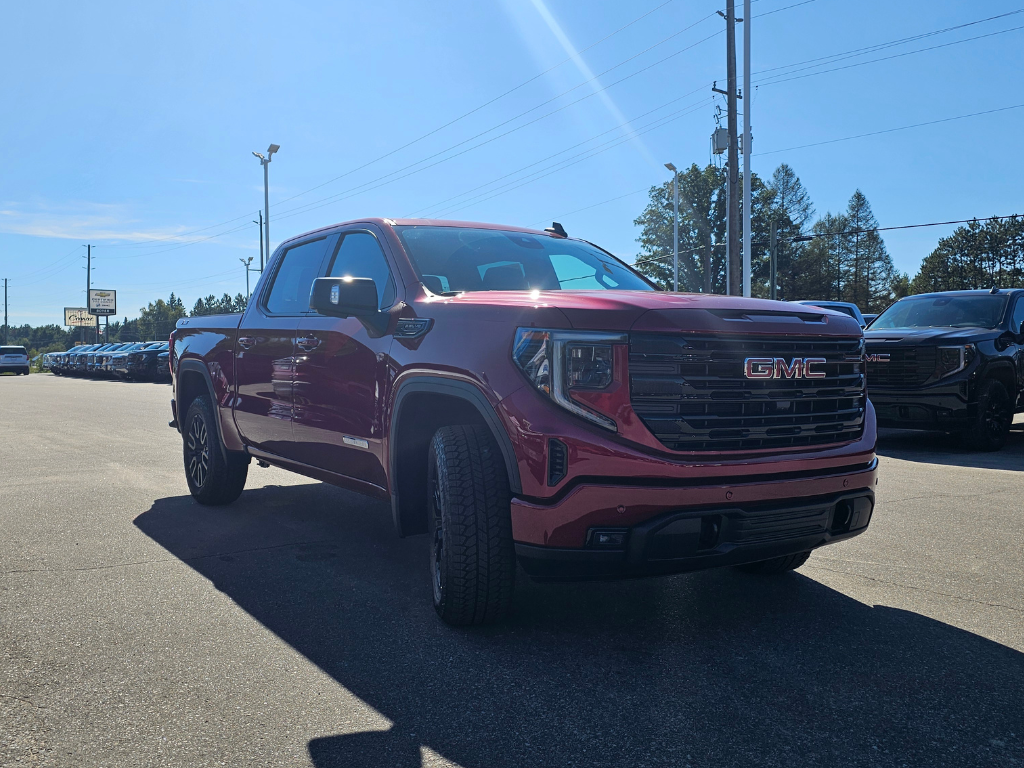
[(215, 476), (472, 557), (991, 425)]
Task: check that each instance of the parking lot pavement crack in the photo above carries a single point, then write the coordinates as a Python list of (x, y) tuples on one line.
[(951, 495), (919, 589), (194, 558), (23, 701)]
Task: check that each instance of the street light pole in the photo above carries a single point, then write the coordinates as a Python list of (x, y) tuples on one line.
[(265, 162), (675, 227), (260, 225), (246, 263)]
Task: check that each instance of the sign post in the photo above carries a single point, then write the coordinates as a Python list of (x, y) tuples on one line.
[(102, 303)]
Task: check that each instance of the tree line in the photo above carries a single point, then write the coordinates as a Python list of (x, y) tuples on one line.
[(829, 257)]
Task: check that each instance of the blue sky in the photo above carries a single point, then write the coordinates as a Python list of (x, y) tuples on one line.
[(130, 125)]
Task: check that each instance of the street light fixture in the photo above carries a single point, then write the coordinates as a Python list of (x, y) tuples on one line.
[(675, 227), (246, 263), (265, 162)]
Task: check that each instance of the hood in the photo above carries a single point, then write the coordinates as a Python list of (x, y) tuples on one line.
[(666, 312), (931, 335)]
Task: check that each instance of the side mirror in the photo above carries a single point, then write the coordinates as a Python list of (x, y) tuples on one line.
[(344, 296)]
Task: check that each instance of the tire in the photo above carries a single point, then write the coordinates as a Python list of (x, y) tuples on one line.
[(991, 424), (211, 479), (472, 557), (776, 564)]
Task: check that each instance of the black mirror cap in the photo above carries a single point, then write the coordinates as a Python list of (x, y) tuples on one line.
[(344, 296)]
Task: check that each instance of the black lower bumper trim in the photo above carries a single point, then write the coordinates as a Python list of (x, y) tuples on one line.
[(693, 540)]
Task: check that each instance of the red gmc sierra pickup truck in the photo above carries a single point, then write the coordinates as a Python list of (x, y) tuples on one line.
[(524, 397)]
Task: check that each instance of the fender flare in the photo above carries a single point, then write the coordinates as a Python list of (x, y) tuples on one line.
[(464, 390), (191, 364)]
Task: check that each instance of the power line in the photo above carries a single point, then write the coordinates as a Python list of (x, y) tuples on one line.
[(832, 58), (806, 238), (784, 79), (893, 130), (388, 178), (487, 103), (574, 146), (595, 205), (586, 155), (450, 122)]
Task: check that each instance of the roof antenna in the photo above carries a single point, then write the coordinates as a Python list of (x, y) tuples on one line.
[(556, 229), (994, 289)]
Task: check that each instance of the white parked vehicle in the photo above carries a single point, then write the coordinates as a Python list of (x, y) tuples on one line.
[(14, 359)]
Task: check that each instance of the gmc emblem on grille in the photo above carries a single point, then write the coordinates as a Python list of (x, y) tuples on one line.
[(778, 368), (879, 358)]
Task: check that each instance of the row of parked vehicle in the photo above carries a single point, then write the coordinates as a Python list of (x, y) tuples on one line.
[(139, 361)]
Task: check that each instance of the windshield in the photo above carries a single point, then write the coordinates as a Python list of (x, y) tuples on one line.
[(12, 351), (970, 311), (456, 259)]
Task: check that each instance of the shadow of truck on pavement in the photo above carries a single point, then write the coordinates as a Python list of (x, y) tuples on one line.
[(714, 668)]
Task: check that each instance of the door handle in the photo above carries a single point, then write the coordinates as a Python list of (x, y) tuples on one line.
[(246, 341), (307, 344)]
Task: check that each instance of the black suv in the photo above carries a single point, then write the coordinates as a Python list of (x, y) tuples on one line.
[(950, 361)]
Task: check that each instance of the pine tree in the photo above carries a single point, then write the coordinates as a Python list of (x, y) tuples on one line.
[(701, 231), (975, 256), (871, 270), (791, 209)]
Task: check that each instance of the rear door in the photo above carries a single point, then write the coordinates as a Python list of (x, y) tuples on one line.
[(341, 371), (265, 347)]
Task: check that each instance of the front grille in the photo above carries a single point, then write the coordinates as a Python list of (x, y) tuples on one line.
[(691, 392), (907, 366)]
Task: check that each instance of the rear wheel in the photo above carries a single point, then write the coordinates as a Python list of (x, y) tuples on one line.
[(215, 476), (991, 425), (472, 557), (776, 564)]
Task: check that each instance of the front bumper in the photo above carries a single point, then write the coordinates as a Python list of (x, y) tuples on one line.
[(945, 406), (727, 521), (697, 539)]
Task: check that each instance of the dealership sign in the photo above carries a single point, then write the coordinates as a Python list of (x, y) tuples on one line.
[(102, 302), (78, 316)]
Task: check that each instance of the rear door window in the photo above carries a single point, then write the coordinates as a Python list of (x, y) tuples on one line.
[(299, 267)]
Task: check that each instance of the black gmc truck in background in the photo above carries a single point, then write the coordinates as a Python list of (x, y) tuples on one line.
[(950, 361)]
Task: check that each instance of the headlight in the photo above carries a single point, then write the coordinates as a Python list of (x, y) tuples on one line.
[(950, 360), (558, 363)]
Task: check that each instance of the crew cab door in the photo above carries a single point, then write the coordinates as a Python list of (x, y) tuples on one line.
[(265, 348), (341, 371)]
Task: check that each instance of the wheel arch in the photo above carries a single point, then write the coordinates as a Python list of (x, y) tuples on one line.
[(421, 406), (192, 379), (1003, 372)]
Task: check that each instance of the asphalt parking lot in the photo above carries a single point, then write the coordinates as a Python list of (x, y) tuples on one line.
[(294, 628)]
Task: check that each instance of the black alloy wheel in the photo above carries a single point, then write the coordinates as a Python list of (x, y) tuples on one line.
[(437, 551), (215, 476), (991, 424), (197, 451)]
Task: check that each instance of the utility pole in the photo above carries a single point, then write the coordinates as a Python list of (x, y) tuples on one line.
[(746, 149), (774, 271), (260, 224), (88, 287), (5, 310), (675, 227), (728, 231), (733, 240)]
